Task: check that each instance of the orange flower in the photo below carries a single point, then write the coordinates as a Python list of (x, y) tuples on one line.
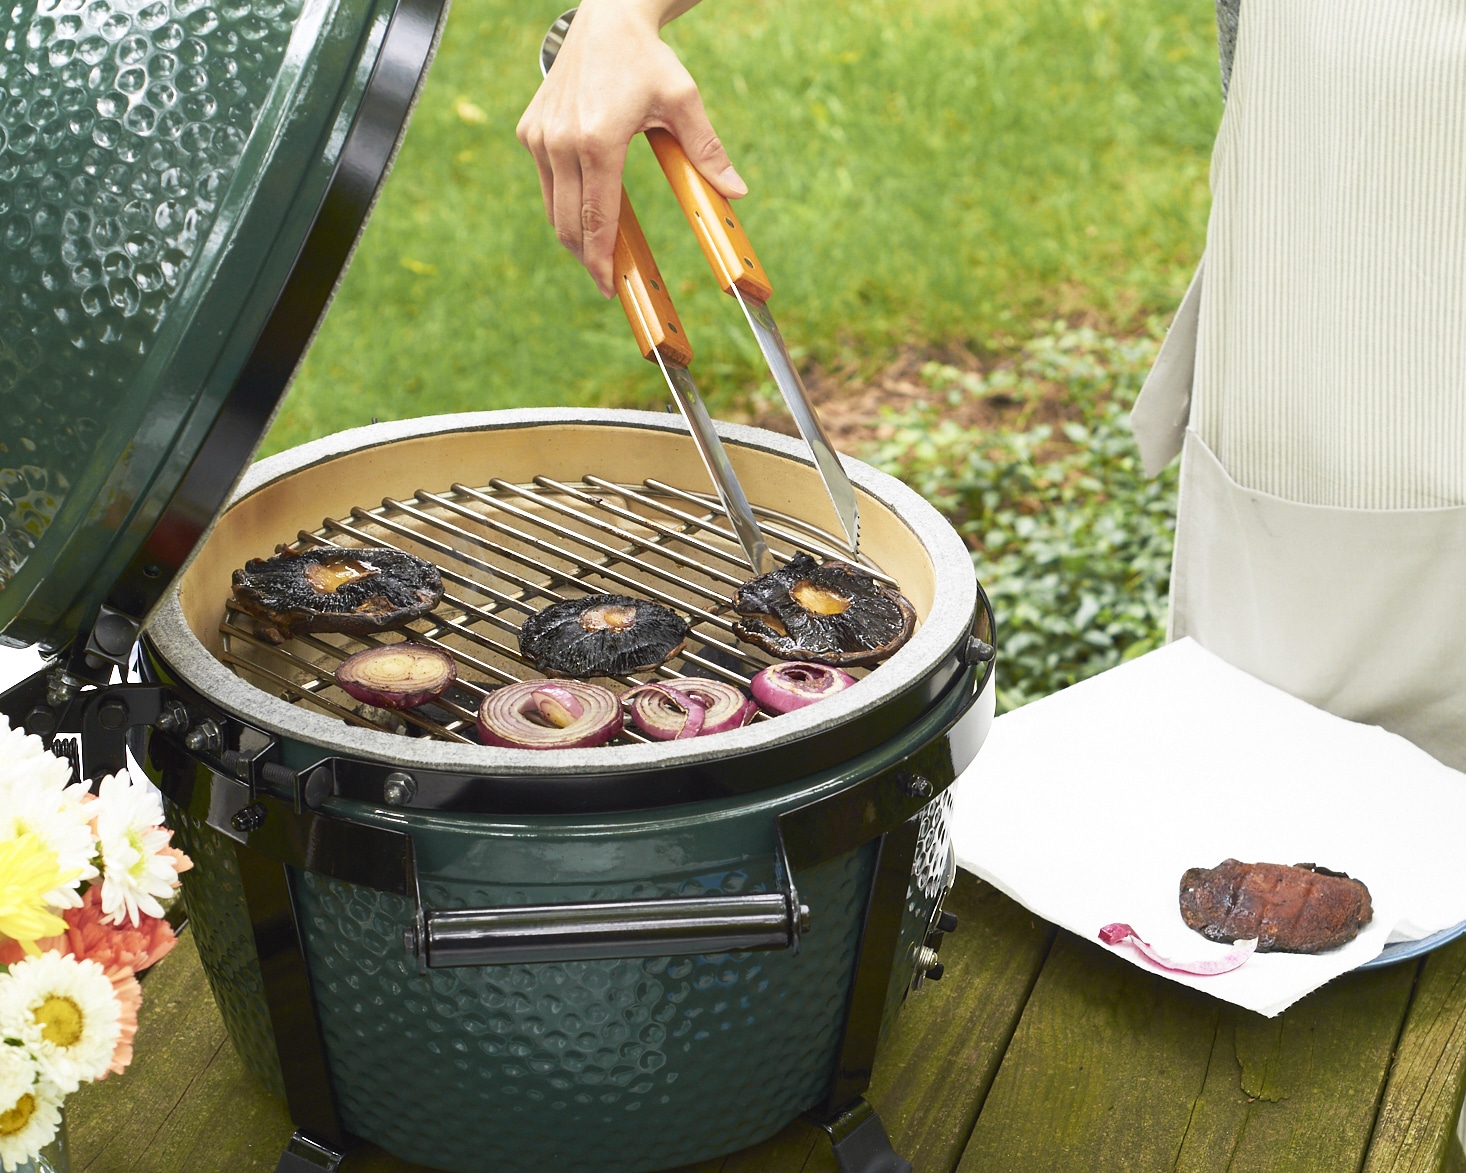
[(116, 948), (129, 998)]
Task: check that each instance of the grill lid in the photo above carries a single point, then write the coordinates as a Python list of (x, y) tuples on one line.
[(180, 189)]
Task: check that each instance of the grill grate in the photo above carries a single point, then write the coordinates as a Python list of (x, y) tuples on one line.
[(508, 550)]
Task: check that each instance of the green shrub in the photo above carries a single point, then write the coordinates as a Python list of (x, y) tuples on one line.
[(1069, 537)]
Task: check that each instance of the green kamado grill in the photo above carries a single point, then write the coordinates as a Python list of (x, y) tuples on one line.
[(617, 959)]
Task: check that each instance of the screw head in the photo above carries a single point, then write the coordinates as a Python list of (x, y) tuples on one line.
[(399, 788)]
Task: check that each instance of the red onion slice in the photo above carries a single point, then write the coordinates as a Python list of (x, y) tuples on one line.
[(689, 707), (1118, 934), (782, 688), (539, 714), (397, 676)]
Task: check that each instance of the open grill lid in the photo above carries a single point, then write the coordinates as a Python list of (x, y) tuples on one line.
[(181, 186)]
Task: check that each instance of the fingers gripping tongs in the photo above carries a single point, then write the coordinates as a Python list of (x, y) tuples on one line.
[(659, 332)]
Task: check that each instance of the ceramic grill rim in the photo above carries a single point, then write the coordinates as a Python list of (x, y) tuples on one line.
[(937, 644)]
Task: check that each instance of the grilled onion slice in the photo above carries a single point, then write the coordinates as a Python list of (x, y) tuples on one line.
[(830, 613), (602, 635), (675, 710), (782, 688), (355, 591), (544, 714), (397, 676)]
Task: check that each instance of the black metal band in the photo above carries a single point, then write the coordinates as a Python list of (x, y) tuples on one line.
[(365, 157)]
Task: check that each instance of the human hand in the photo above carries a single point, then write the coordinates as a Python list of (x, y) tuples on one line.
[(613, 79)]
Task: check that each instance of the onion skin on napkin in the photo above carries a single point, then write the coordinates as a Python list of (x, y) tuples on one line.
[(1299, 909), (1120, 934)]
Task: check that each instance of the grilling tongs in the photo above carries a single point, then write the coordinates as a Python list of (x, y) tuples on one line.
[(659, 332)]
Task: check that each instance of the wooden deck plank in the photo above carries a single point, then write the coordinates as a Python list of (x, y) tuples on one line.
[(1299, 1092), (1416, 1125), (1113, 1068), (944, 1050)]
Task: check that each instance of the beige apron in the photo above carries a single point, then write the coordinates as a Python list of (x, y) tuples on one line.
[(1315, 379)]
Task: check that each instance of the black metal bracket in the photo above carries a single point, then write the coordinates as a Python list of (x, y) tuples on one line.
[(860, 1143), (306, 1154)]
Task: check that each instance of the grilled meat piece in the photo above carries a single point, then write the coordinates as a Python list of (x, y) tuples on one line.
[(830, 613), (355, 591), (602, 635), (1298, 909)]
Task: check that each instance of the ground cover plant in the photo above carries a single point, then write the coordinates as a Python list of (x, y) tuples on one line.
[(1069, 537), (933, 171)]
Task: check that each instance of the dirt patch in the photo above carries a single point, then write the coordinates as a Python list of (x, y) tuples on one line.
[(853, 406)]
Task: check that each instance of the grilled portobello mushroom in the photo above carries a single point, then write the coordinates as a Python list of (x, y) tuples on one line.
[(602, 635), (354, 591), (1299, 909), (831, 612)]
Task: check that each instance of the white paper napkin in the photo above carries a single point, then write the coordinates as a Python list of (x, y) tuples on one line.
[(1087, 806)]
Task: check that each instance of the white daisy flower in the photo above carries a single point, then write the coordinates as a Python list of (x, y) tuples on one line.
[(66, 1014), (30, 1108), (35, 797), (136, 871)]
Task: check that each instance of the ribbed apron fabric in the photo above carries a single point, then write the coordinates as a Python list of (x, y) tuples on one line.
[(1315, 376)]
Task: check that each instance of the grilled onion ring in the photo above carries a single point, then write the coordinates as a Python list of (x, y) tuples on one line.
[(690, 707), (782, 688), (549, 714)]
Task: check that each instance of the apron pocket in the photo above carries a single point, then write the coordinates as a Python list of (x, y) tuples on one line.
[(1359, 612)]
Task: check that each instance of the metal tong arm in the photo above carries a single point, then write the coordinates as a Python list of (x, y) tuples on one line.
[(738, 272), (660, 337)]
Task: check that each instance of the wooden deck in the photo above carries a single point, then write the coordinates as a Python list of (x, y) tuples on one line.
[(1038, 1052)]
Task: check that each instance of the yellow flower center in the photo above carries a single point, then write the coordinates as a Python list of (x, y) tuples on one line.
[(19, 1116), (60, 1020)]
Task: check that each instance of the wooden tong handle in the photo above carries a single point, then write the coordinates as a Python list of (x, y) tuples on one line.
[(643, 293), (723, 241)]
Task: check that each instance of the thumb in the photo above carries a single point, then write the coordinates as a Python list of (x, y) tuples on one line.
[(690, 126)]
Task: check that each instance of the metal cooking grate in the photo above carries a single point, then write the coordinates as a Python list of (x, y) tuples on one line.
[(508, 550)]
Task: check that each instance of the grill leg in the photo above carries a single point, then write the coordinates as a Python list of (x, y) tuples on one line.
[(306, 1155), (860, 1142)]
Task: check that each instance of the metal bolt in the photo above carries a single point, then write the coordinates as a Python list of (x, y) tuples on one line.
[(978, 651), (173, 719), (399, 788), (248, 818), (41, 721), (204, 736), (60, 688), (916, 786), (112, 713)]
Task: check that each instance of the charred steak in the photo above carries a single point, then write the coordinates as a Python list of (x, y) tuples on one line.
[(1298, 909)]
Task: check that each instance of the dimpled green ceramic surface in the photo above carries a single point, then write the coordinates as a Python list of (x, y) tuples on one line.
[(160, 164), (612, 1066)]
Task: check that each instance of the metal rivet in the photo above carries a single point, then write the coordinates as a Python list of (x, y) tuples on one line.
[(112, 713), (749, 263), (399, 788), (728, 220), (672, 327), (654, 285)]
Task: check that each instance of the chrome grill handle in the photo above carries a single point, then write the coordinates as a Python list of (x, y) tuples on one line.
[(533, 934)]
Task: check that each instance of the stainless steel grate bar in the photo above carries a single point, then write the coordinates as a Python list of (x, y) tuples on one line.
[(541, 559)]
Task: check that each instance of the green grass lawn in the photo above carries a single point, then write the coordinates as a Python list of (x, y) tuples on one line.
[(921, 170)]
